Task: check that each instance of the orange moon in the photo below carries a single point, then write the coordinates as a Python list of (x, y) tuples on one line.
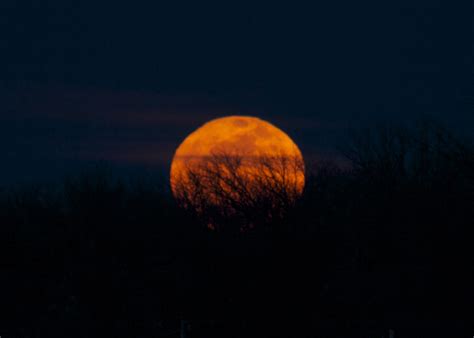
[(248, 137)]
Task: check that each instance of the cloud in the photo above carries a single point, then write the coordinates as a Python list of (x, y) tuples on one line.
[(53, 128)]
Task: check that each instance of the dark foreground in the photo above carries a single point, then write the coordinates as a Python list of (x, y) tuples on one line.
[(385, 245)]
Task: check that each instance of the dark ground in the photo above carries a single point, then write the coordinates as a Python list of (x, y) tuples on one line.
[(384, 245)]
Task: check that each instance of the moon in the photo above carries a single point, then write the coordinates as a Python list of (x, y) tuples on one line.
[(250, 139)]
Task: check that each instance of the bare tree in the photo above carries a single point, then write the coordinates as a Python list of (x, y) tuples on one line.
[(245, 190), (423, 153)]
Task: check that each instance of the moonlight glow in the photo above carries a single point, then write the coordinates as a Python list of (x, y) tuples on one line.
[(250, 139)]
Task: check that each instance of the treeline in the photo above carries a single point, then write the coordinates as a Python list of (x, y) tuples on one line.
[(383, 244)]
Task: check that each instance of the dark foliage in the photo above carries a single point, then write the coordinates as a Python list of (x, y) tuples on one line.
[(384, 245)]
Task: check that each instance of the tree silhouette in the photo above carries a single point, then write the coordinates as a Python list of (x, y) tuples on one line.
[(384, 244), (240, 190)]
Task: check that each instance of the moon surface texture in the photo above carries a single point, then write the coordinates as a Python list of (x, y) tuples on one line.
[(236, 154)]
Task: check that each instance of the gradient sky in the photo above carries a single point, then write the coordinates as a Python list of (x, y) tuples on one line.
[(125, 84)]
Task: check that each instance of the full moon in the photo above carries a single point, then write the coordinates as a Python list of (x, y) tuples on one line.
[(236, 157)]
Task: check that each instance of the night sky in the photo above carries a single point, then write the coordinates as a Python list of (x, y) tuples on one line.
[(125, 83)]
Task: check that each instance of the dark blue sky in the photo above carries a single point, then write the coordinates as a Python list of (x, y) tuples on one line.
[(125, 83)]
